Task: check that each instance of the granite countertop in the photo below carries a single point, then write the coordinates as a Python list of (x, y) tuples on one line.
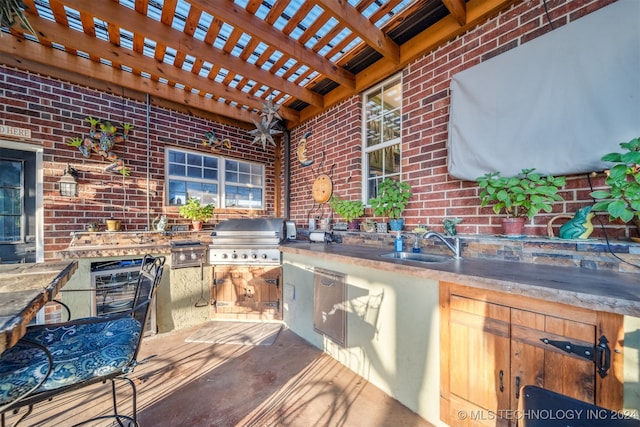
[(127, 243), (24, 290), (592, 289)]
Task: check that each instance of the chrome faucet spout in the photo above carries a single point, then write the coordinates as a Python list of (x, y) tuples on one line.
[(454, 246)]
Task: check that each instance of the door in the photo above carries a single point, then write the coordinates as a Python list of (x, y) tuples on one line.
[(479, 361), (536, 363), (17, 206), (329, 309), (246, 292), (495, 343)]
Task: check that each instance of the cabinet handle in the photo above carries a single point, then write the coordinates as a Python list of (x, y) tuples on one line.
[(517, 387), (328, 282), (501, 384)]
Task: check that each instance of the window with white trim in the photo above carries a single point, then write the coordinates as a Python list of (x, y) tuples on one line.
[(222, 182), (382, 134)]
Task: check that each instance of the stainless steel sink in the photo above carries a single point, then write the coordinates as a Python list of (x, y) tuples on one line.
[(418, 257)]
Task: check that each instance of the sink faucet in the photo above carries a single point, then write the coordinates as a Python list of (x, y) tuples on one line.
[(454, 247)]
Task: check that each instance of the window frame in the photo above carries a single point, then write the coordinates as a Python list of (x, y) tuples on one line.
[(21, 214), (221, 181), (383, 145)]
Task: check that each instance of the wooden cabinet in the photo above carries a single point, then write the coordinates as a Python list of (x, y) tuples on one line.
[(246, 292), (494, 343)]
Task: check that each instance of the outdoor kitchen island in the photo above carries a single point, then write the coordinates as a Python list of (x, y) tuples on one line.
[(183, 287), (398, 318)]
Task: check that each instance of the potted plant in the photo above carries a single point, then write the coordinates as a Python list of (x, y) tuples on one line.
[(196, 212), (391, 201), (113, 224), (622, 199), (349, 210), (519, 197)]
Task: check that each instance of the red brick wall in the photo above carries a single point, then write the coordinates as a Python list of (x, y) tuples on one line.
[(426, 81), (56, 111)]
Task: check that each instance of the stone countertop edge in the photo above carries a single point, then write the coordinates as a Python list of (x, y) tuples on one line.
[(99, 251), (606, 291)]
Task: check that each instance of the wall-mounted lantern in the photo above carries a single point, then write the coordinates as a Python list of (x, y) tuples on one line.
[(69, 182)]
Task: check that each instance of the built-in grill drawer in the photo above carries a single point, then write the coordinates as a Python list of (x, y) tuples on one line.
[(329, 299), (187, 253)]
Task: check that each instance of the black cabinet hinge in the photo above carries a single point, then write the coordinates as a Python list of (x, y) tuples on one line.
[(599, 354)]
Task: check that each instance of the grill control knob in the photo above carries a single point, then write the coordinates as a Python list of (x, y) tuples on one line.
[(183, 257), (223, 256), (263, 256), (254, 256), (193, 255), (234, 256), (244, 256)]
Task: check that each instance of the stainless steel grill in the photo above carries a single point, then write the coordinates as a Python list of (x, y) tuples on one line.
[(247, 241), (187, 253)]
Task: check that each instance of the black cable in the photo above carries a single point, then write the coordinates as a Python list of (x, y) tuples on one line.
[(604, 231), (546, 11)]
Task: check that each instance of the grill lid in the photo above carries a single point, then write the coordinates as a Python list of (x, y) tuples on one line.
[(247, 228)]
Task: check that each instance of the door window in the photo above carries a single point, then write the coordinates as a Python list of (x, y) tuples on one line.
[(11, 201)]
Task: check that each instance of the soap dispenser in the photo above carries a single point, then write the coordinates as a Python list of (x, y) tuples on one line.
[(398, 243)]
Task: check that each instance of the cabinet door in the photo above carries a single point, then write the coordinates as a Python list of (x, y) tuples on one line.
[(478, 361), (536, 363), (246, 292), (487, 336)]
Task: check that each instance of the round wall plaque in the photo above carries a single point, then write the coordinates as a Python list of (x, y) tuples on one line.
[(322, 189)]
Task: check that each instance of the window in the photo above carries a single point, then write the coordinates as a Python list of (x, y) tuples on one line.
[(244, 184), (382, 121), (225, 183), (11, 205)]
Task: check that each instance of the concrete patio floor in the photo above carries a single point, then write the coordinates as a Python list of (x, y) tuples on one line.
[(289, 383)]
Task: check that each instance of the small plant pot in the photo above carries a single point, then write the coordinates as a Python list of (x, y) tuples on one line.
[(396, 224), (353, 225), (381, 227), (92, 227), (367, 227), (197, 225), (513, 226), (113, 225)]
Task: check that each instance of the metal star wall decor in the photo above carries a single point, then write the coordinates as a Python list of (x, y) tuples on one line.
[(270, 111), (264, 130)]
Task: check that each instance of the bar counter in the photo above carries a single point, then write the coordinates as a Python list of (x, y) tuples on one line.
[(24, 290)]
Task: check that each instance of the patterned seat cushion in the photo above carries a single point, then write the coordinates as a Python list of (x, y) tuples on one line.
[(80, 352)]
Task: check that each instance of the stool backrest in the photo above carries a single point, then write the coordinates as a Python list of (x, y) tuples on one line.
[(148, 281)]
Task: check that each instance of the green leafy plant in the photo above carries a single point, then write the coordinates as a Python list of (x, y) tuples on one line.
[(392, 198), (622, 199), (347, 209), (524, 195), (194, 211)]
